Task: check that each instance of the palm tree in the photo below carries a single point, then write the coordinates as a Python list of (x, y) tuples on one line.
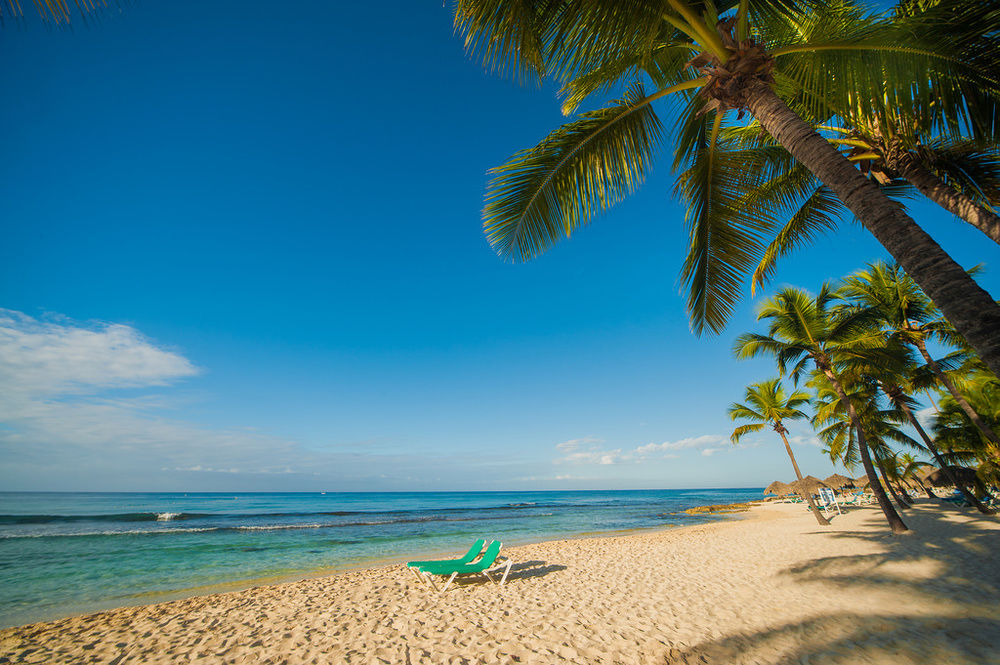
[(957, 173), (909, 470), (966, 174), (899, 146), (961, 176), (888, 463), (909, 316), (546, 192), (962, 442), (767, 404), (802, 330), (898, 369), (843, 438)]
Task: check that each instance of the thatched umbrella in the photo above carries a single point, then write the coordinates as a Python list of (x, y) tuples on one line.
[(807, 486), (836, 481), (861, 482), (778, 488), (938, 478)]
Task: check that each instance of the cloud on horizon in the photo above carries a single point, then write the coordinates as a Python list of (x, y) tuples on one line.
[(588, 450), (89, 406)]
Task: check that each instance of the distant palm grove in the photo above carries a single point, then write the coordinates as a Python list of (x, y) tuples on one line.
[(861, 348), (787, 116)]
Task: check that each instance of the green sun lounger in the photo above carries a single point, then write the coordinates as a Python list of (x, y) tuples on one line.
[(485, 566), (468, 557)]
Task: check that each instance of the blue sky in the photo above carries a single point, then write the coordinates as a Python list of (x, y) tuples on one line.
[(242, 251)]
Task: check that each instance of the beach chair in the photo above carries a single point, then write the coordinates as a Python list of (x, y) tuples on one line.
[(486, 565), (468, 557)]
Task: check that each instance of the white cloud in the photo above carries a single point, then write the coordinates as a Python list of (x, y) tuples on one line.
[(67, 422), (54, 381), (56, 356), (586, 450), (576, 444), (656, 449), (589, 451), (926, 417), (800, 433)]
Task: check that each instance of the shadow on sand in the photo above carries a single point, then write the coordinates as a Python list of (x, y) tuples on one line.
[(954, 621), (519, 570)]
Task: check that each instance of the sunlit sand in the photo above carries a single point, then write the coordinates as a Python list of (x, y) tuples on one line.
[(770, 587)]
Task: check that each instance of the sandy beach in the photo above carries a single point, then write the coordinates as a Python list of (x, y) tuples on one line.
[(771, 588)]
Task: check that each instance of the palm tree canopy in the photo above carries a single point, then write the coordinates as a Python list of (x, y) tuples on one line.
[(766, 404), (819, 55), (803, 327)]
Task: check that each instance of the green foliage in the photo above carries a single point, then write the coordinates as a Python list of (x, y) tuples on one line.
[(748, 205), (766, 404), (581, 168)]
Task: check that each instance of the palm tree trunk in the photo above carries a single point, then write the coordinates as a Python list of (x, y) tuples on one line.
[(930, 494), (889, 486), (981, 425), (891, 516), (949, 198), (966, 305), (969, 496), (798, 474)]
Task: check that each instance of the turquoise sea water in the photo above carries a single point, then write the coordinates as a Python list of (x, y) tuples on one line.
[(67, 553)]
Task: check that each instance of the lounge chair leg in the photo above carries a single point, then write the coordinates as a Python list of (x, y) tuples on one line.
[(430, 581), (448, 583), (506, 572), (417, 573)]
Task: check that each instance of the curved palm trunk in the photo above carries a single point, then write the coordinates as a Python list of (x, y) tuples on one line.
[(969, 496), (925, 488), (947, 197), (891, 516), (889, 486), (981, 425), (798, 474), (969, 308)]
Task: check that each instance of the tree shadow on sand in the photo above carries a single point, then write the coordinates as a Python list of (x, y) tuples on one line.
[(945, 574)]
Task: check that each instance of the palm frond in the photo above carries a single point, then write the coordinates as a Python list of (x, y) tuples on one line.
[(967, 166), (818, 214), (664, 66), (584, 167), (724, 240), (869, 67), (508, 35), (743, 430), (56, 12)]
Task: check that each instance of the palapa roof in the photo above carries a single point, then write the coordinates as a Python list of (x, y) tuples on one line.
[(778, 488), (836, 481), (807, 485), (861, 481), (939, 478)]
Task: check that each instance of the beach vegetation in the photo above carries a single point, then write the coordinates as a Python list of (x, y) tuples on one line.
[(783, 64), (862, 345), (805, 334), (767, 405)]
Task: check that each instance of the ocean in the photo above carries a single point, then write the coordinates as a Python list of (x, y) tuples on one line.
[(64, 553)]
